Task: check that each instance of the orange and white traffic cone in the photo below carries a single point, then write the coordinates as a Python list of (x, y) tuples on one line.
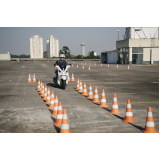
[(150, 127), (95, 64), (51, 104), (85, 63), (96, 97), (80, 87), (59, 115), (64, 125), (72, 65), (129, 114), (42, 90), (18, 60), (108, 65), (128, 66), (72, 77), (77, 88), (48, 96), (115, 109), (29, 78), (117, 65), (38, 87), (101, 64), (83, 67), (68, 78), (84, 93), (55, 108), (34, 78), (89, 68), (45, 93), (77, 65), (103, 100), (90, 93)]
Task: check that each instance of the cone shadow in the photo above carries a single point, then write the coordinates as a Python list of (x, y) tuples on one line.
[(118, 116), (106, 109), (138, 127), (57, 129)]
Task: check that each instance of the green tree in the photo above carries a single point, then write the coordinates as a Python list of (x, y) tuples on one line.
[(45, 54), (91, 53), (65, 50)]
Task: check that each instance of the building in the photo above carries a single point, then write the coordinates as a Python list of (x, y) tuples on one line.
[(139, 46), (109, 56), (52, 47), (83, 49), (5, 56), (36, 47)]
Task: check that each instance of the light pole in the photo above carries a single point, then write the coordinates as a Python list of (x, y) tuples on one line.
[(118, 34)]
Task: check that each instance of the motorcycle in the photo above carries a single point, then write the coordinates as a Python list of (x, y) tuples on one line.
[(62, 78)]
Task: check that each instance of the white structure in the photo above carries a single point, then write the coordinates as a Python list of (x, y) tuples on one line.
[(5, 56), (95, 54), (109, 56), (36, 47), (52, 47), (83, 49), (140, 46)]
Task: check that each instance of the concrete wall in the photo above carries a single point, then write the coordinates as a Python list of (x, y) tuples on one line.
[(137, 43), (5, 57), (156, 54)]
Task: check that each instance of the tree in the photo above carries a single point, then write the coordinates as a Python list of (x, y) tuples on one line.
[(65, 50), (91, 53), (45, 54)]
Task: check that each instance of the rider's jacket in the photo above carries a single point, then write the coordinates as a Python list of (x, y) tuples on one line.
[(61, 63)]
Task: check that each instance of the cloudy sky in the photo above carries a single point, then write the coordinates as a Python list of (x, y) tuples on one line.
[(15, 40)]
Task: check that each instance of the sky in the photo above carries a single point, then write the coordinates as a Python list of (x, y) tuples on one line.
[(15, 40)]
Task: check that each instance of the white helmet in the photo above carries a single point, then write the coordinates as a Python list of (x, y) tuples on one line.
[(62, 56)]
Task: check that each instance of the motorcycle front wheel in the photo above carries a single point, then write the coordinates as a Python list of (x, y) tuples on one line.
[(63, 84)]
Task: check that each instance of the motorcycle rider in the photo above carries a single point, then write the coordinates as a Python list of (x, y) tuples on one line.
[(61, 63)]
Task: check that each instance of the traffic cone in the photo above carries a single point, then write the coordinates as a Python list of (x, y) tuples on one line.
[(83, 67), (34, 78), (108, 65), (101, 64), (96, 97), (72, 65), (77, 88), (51, 104), (55, 108), (89, 68), (38, 87), (117, 65), (68, 78), (85, 63), (29, 78), (84, 90), (90, 93), (115, 109), (128, 66), (42, 91), (48, 96), (64, 125), (80, 87), (129, 114), (18, 60), (45, 93), (150, 127), (103, 100), (72, 77), (59, 115), (95, 64), (77, 65)]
